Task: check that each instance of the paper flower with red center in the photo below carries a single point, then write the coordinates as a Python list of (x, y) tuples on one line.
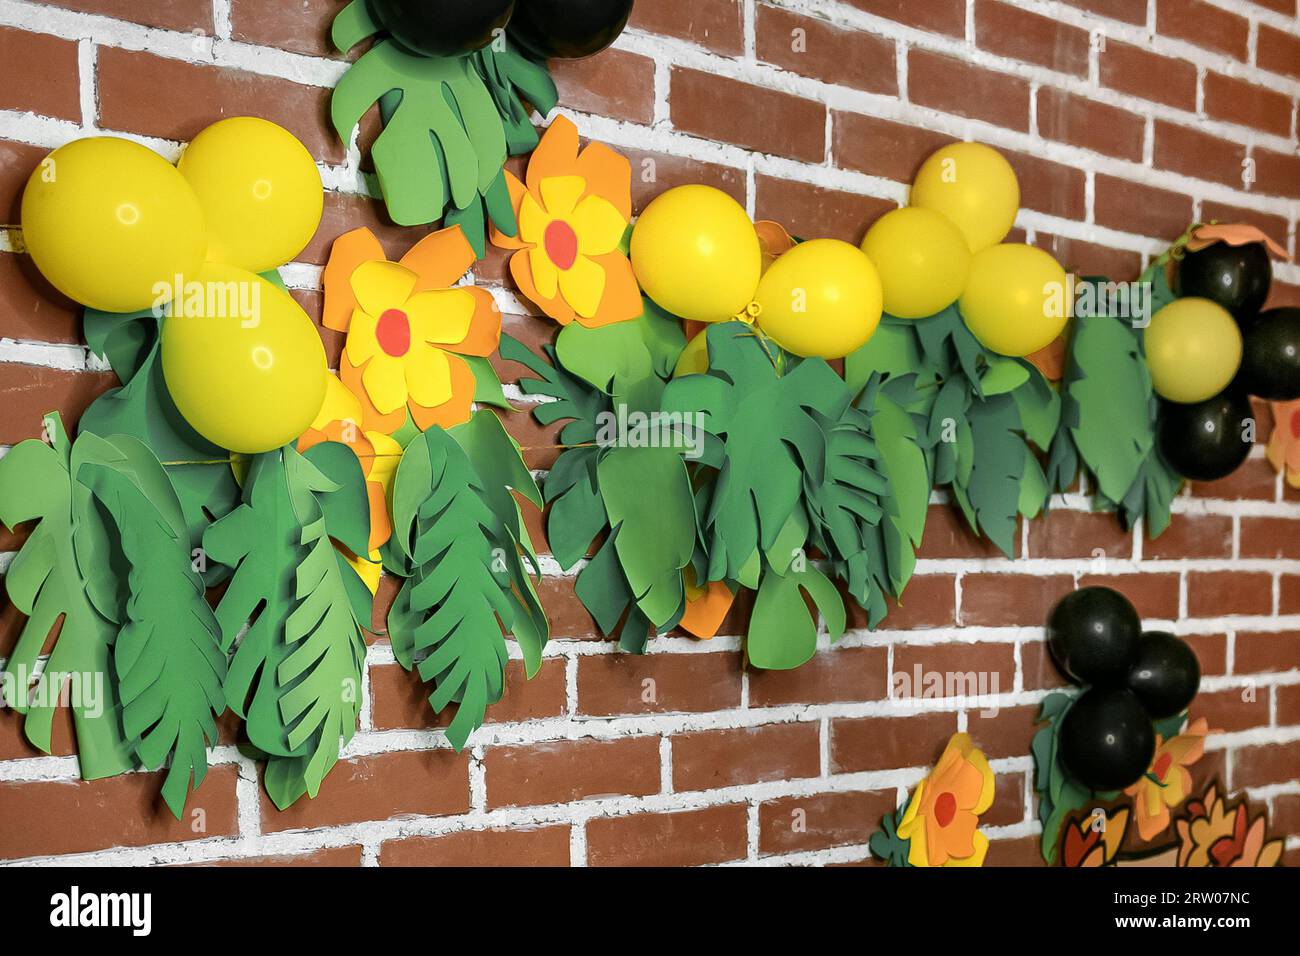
[(1284, 443), (1214, 835), (942, 818), (572, 212), (408, 328), (1168, 782)]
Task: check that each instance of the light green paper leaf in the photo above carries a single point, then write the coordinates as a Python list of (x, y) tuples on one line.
[(782, 632)]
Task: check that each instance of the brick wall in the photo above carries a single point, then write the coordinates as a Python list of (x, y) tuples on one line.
[(1125, 119)]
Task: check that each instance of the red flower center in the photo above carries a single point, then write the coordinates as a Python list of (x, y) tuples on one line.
[(1161, 766), (393, 332), (561, 243), (945, 808), (1295, 424)]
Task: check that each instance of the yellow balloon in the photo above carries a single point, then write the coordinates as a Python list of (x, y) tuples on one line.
[(110, 223), (694, 358), (1193, 350), (260, 190), (974, 186), (822, 298), (242, 361), (1016, 300), (922, 259), (695, 253)]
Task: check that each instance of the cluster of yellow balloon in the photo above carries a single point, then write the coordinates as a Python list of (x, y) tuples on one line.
[(946, 247), (696, 254), (116, 227)]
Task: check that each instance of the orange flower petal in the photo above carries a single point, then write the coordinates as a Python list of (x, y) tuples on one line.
[(484, 335), (621, 300), (773, 240), (456, 410), (440, 259), (517, 192), (608, 175), (381, 526), (522, 273), (349, 251), (1234, 234), (555, 155)]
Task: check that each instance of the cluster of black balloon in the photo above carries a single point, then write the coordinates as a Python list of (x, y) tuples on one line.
[(548, 29), (1203, 440), (1131, 678)]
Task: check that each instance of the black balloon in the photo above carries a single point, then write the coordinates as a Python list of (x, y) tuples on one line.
[(1165, 676), (1270, 357), (443, 27), (1107, 740), (1093, 635), (1205, 440), (1236, 277), (568, 29)]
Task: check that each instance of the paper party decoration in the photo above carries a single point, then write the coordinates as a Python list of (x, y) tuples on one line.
[(1234, 275), (1015, 299), (938, 826), (1094, 635), (445, 28), (1208, 440), (974, 186), (1170, 782), (410, 335), (1216, 832), (449, 123), (1193, 349), (1284, 442), (573, 210), (922, 259), (567, 29)]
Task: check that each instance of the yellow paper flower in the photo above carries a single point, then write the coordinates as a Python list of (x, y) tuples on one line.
[(1284, 443), (1214, 835), (942, 818), (572, 214), (1153, 798)]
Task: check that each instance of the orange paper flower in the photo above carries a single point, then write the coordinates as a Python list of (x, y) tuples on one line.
[(1091, 841), (1168, 782), (1284, 443), (1214, 835), (1234, 234), (942, 817), (572, 214), (408, 328)]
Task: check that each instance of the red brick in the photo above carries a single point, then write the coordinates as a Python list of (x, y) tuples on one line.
[(28, 392), (1262, 765), (1037, 670), (1270, 538), (17, 162), (1022, 35), (1211, 652), (837, 674), (1125, 10), (1192, 536), (1089, 259), (1233, 709), (955, 86), (1255, 479), (968, 669), (821, 820), (1285, 817), (714, 24), (567, 770), (1049, 187), (1007, 733), (1264, 652), (757, 118), (1289, 594), (1008, 801), (39, 74), (77, 816), (1239, 101), (302, 27), (1203, 24), (400, 700), (1018, 851), (1080, 121), (882, 147), (947, 535), (610, 684), (567, 616), (167, 14), (816, 212), (546, 846), (709, 759), (617, 83), (1273, 226), (1011, 600), (654, 173), (1197, 154), (1078, 534), (679, 838), (33, 311), (929, 600), (1138, 71), (1278, 51), (334, 856), (1155, 595), (176, 100), (884, 743), (825, 52), (14, 744), (1223, 593), (1145, 210), (1288, 705), (934, 16), (379, 787)]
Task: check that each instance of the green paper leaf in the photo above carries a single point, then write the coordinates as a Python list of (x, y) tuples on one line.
[(998, 469), (353, 24), (892, 350), (487, 384), (1002, 376), (782, 632)]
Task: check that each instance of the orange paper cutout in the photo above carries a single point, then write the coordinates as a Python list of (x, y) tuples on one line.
[(706, 607), (1234, 234)]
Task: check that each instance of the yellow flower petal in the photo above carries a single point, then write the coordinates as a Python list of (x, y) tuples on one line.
[(369, 569), (340, 405), (582, 286), (545, 274), (382, 285), (560, 194), (385, 383), (975, 859), (362, 343), (533, 220), (440, 317), (428, 376), (909, 821), (599, 225), (388, 452)]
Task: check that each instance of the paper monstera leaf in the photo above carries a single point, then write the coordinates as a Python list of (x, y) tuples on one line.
[(573, 209), (415, 341)]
